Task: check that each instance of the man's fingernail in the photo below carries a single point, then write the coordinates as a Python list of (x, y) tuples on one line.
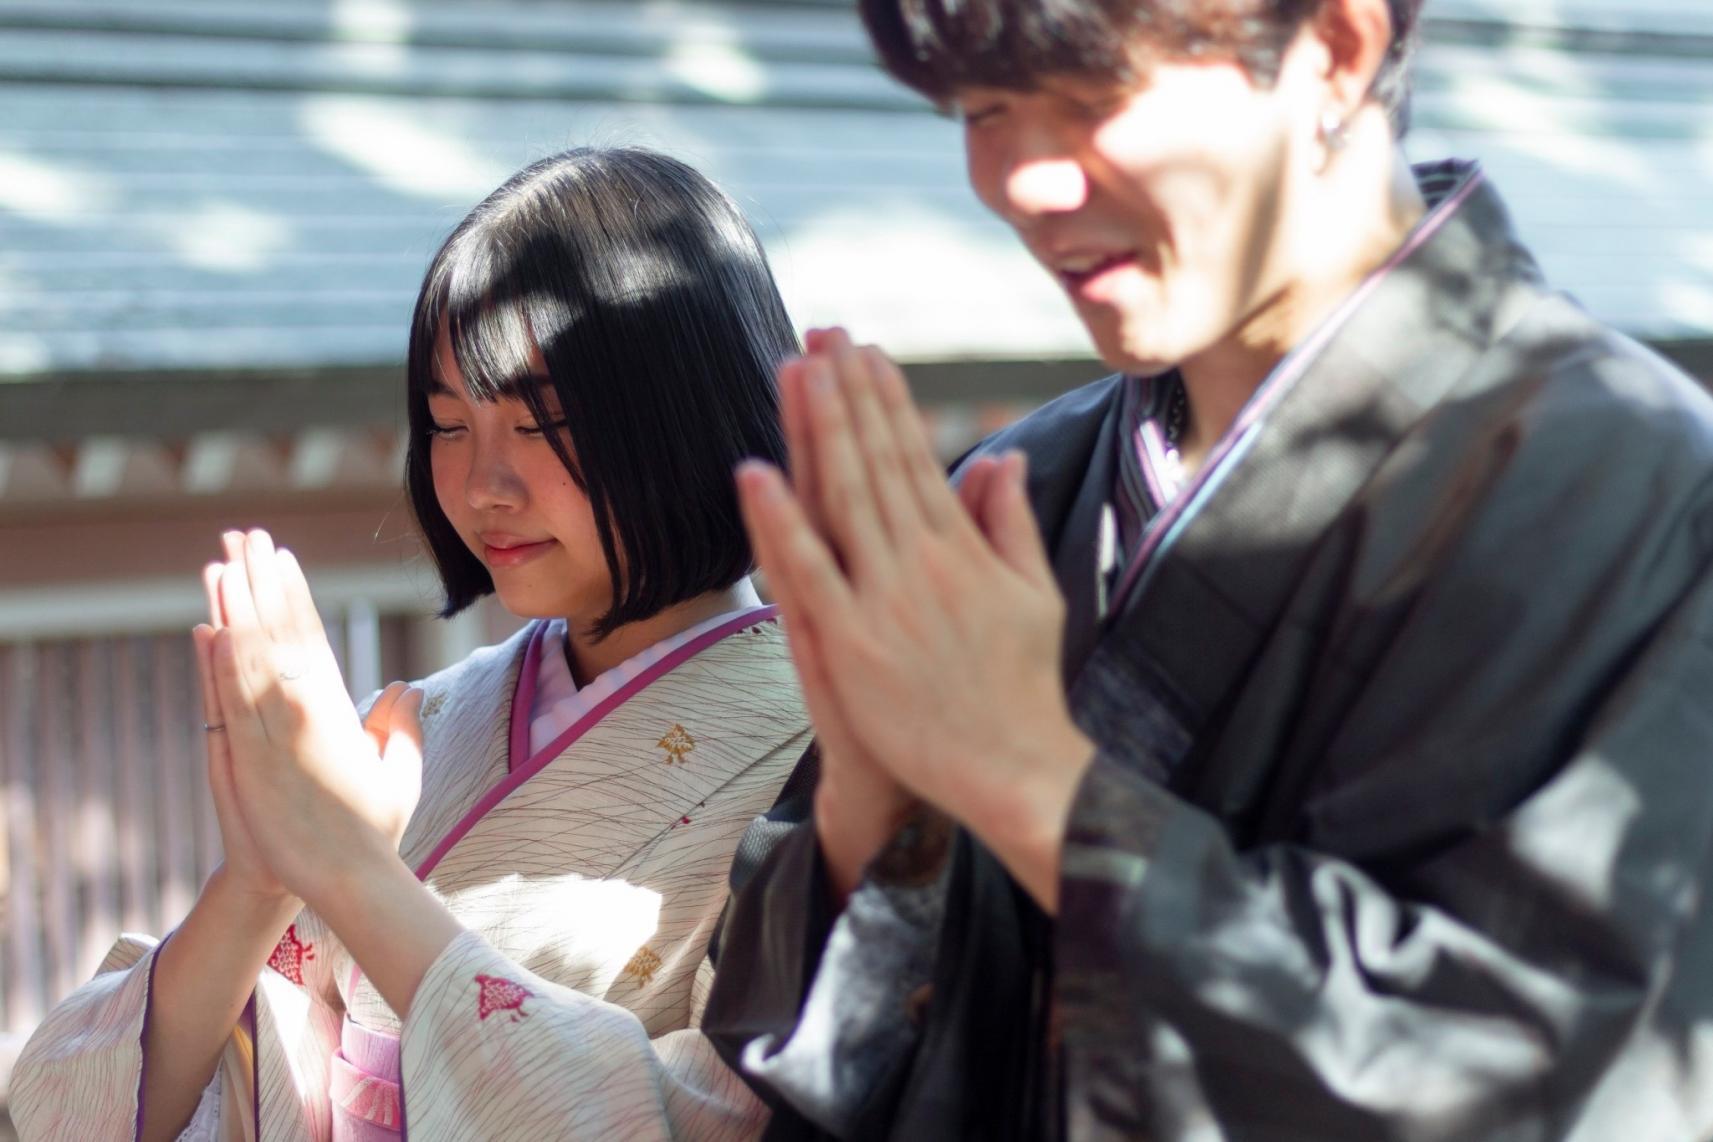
[(761, 479)]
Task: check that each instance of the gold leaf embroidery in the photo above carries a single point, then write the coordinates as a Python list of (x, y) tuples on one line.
[(432, 706), (642, 967), (677, 743)]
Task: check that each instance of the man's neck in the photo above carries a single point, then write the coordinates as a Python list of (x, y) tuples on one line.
[(1345, 231)]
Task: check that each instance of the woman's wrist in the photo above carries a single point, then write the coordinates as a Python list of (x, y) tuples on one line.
[(243, 909), (390, 922)]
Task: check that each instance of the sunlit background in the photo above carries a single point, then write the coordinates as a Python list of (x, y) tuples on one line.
[(214, 216)]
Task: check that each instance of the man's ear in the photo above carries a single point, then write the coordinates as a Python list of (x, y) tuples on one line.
[(1357, 36)]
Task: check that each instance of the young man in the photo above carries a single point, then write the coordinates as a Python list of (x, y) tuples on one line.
[(1306, 735)]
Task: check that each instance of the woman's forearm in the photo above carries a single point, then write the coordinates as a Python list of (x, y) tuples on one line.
[(392, 925), (203, 977)]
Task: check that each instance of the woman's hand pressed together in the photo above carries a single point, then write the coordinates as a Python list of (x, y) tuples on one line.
[(320, 791)]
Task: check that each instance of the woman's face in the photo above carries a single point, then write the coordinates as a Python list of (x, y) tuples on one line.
[(505, 491), (1158, 206)]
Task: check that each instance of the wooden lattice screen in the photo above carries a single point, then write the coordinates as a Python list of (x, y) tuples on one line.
[(107, 824)]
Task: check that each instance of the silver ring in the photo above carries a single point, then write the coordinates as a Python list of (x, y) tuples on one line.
[(290, 675), (208, 729)]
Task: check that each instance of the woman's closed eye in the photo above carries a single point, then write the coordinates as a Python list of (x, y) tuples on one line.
[(540, 429), (435, 428)]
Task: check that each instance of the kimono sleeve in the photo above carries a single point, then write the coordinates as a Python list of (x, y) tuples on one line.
[(80, 1073), (493, 1051), (1533, 976)]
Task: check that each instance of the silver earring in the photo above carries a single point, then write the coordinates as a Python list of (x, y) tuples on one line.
[(1334, 131)]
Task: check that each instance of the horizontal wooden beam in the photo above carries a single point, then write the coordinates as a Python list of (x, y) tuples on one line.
[(180, 406)]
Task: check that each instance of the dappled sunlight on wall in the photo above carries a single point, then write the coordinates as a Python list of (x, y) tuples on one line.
[(45, 190), (403, 152), (721, 70), (226, 236)]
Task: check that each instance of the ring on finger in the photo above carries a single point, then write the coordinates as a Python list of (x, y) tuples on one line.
[(291, 666)]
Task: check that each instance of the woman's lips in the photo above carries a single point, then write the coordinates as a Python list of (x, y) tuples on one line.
[(513, 554)]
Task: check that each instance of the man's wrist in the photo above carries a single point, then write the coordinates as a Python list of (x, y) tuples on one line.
[(917, 851), (1023, 818), (855, 820)]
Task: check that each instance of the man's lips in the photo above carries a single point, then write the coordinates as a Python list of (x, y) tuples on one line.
[(507, 551), (1088, 281)]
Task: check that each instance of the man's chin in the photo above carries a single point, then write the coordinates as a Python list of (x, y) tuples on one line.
[(1123, 354), (1135, 364)]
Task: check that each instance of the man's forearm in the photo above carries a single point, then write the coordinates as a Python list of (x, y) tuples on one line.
[(203, 976)]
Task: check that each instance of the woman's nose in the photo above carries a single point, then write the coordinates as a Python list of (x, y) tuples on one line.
[(492, 483)]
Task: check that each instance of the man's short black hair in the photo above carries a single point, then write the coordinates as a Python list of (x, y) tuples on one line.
[(653, 306), (938, 47)]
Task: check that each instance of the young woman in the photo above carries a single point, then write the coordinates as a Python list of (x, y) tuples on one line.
[(593, 351)]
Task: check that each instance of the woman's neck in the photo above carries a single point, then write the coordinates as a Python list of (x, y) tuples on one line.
[(1357, 220), (590, 659)]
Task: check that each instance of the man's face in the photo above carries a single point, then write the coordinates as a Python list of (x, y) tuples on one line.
[(1157, 206)]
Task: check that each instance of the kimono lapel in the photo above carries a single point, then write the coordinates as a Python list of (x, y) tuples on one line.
[(577, 832), (1072, 447), (1077, 555), (467, 712), (1217, 568), (625, 758)]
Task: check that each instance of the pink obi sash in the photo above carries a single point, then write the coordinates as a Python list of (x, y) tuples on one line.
[(367, 1104)]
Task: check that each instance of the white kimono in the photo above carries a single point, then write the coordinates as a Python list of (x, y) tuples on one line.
[(590, 877)]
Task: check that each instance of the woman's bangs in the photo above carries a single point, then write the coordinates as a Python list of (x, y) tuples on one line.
[(494, 347)]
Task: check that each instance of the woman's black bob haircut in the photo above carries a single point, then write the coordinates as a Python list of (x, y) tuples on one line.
[(939, 47), (653, 306)]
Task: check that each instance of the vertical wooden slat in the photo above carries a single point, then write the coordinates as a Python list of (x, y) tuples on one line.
[(208, 848), (5, 831), (97, 824), (395, 649), (106, 823), (25, 980), (362, 649), (57, 812), (136, 839), (176, 843)]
